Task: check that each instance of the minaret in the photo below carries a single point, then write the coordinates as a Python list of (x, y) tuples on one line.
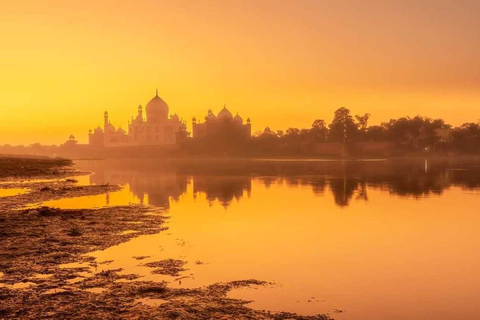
[(105, 118), (140, 112)]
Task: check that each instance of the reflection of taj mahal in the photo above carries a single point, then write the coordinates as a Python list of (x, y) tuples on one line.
[(157, 129)]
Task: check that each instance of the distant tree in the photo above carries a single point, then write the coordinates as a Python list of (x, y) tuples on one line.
[(293, 132), (304, 134), (268, 131), (319, 131), (342, 128), (257, 133), (362, 121), (319, 124), (376, 133), (466, 138), (415, 133)]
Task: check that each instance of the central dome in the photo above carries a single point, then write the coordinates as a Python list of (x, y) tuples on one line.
[(156, 109), (224, 114)]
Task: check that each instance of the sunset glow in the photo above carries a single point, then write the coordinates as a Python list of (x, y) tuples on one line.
[(281, 63)]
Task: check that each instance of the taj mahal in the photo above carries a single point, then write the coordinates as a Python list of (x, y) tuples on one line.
[(160, 128)]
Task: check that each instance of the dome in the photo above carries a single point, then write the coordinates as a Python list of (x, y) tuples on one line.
[(175, 117), (225, 114), (156, 109), (210, 115), (98, 130), (109, 128), (120, 130), (238, 119)]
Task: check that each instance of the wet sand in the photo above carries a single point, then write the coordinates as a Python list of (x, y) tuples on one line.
[(39, 242)]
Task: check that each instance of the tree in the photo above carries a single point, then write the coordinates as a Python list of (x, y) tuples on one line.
[(414, 133), (319, 131), (293, 132), (342, 128), (268, 131), (363, 121), (376, 133)]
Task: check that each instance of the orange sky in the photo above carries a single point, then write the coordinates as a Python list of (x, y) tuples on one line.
[(282, 63)]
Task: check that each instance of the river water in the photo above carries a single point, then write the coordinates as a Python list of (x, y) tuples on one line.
[(370, 239)]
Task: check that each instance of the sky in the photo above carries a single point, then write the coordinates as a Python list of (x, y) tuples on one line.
[(283, 63)]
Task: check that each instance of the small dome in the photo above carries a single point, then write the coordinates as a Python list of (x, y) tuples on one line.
[(98, 130), (140, 107), (210, 116), (72, 137), (225, 114), (156, 109), (175, 117), (238, 119), (120, 130)]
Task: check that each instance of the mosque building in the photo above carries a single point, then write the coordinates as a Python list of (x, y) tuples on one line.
[(219, 124), (156, 129)]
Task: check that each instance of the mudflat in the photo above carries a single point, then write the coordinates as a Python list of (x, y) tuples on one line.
[(39, 241)]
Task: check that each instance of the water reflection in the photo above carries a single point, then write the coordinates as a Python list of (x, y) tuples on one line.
[(222, 189), (157, 183), (331, 235), (223, 181)]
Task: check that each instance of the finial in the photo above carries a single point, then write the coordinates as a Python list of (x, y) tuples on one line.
[(156, 92)]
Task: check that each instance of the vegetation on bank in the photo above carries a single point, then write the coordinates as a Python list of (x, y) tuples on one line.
[(348, 135)]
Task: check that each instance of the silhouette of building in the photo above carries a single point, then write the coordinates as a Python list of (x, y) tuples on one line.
[(156, 129), (221, 124), (223, 189), (71, 141)]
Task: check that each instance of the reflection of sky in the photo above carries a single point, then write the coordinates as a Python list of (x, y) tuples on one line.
[(354, 239), (389, 257), (12, 192)]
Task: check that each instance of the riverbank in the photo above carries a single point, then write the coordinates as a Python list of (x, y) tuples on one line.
[(38, 242)]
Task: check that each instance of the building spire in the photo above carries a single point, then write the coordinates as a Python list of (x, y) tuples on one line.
[(156, 92)]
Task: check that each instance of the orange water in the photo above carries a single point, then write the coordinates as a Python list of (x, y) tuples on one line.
[(386, 250)]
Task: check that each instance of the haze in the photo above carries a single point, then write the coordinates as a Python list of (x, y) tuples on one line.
[(281, 63)]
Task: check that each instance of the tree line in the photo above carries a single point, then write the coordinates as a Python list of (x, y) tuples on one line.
[(405, 135)]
